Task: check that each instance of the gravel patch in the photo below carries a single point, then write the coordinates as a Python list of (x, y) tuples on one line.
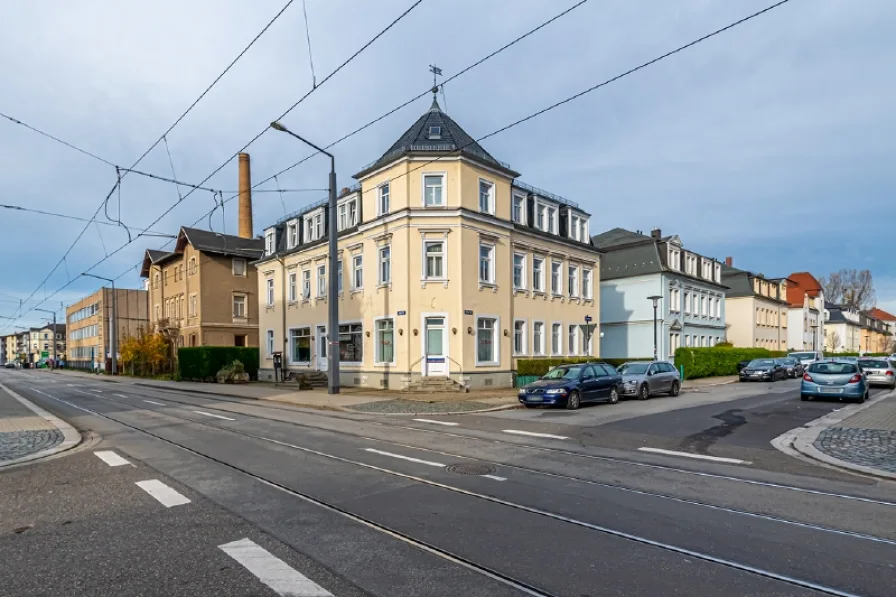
[(412, 407)]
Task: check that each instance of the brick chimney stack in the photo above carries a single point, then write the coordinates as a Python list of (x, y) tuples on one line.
[(245, 194), (729, 261)]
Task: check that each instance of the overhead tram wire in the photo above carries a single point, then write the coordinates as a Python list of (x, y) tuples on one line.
[(290, 109), (57, 139), (397, 108), (151, 147)]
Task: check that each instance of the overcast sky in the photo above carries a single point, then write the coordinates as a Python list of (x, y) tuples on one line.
[(771, 143)]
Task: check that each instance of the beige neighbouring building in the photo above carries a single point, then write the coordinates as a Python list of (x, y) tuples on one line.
[(88, 320), (449, 268), (755, 309)]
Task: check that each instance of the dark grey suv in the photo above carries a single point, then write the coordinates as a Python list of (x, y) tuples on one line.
[(644, 379)]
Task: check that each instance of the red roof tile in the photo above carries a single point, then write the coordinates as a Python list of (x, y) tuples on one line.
[(881, 314), (800, 284)]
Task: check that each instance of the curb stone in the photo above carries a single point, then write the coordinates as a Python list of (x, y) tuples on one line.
[(801, 441), (70, 435)]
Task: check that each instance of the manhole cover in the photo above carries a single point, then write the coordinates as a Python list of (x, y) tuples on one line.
[(471, 468)]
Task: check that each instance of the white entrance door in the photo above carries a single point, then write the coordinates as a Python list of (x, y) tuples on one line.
[(321, 347), (435, 347)]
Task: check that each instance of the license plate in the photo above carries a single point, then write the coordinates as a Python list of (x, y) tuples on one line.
[(534, 398), (831, 390)]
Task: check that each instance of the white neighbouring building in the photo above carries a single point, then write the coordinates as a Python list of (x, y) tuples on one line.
[(805, 313)]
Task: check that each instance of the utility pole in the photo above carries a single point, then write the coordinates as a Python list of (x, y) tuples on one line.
[(655, 300)]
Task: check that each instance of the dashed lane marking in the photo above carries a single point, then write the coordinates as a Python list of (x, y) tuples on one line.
[(111, 458), (165, 495), (534, 434), (408, 458), (272, 571), (432, 422), (200, 412), (154, 402), (122, 395), (697, 456)]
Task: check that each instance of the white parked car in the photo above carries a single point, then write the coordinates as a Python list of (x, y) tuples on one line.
[(807, 358)]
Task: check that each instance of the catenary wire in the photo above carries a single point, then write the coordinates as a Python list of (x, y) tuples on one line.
[(57, 139)]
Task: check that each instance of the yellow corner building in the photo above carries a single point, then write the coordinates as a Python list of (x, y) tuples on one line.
[(449, 269)]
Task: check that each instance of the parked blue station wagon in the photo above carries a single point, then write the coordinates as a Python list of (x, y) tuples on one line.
[(571, 385)]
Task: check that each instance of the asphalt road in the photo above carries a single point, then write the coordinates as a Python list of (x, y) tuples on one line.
[(471, 505)]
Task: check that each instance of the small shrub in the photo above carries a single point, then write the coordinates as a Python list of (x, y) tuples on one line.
[(202, 363)]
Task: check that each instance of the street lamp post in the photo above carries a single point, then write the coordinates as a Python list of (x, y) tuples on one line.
[(814, 336), (656, 299), (113, 333), (53, 313), (333, 299)]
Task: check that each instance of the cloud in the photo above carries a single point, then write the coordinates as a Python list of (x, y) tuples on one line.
[(770, 143)]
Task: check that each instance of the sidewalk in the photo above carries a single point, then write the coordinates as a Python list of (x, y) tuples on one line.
[(348, 400), (858, 437), (708, 382), (28, 432)]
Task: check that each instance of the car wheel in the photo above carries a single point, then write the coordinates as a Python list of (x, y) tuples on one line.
[(676, 388), (643, 392), (614, 395), (572, 401), (863, 398)]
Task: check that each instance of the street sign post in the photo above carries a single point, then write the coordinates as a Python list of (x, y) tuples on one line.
[(587, 332)]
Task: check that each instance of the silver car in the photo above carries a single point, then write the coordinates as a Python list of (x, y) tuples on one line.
[(879, 371), (645, 379)]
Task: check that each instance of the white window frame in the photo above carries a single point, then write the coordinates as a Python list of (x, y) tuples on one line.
[(291, 342), (496, 341), (357, 272), (269, 291), (444, 186), (237, 299), (268, 243), (384, 265), (233, 268), (572, 280), (553, 217), (292, 234), (587, 283), (269, 343), (314, 225), (444, 259), (522, 199), (572, 339), (489, 197), (522, 268), (321, 281), (538, 280), (340, 277), (306, 284), (292, 285), (383, 199), (376, 340), (557, 290), (490, 273), (538, 339), (558, 349), (524, 329)]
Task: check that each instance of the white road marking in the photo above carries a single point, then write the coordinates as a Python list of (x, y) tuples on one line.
[(273, 571), (122, 395), (533, 434), (111, 458), (689, 455), (166, 496), (199, 412), (97, 391), (83, 392), (446, 423), (153, 402), (495, 477), (408, 458), (71, 385)]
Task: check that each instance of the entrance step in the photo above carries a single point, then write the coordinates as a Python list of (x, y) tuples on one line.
[(435, 384)]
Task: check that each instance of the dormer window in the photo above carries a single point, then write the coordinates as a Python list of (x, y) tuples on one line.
[(293, 234), (348, 214), (269, 242), (314, 226), (435, 132)]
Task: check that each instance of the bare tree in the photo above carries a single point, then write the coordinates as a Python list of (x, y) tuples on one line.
[(850, 287), (833, 341)]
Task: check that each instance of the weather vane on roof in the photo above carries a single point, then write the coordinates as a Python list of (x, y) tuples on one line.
[(436, 72)]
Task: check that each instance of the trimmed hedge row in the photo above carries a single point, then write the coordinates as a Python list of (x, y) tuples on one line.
[(538, 367), (202, 363), (715, 361)]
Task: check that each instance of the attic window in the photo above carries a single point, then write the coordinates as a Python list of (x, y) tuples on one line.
[(435, 132)]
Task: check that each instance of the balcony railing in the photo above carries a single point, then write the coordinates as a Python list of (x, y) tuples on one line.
[(546, 194), (319, 203)]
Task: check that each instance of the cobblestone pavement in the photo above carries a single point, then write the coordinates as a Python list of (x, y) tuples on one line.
[(18, 444), (866, 447)]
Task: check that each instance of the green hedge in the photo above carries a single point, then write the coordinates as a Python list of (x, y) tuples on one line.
[(538, 367), (715, 361), (202, 363)]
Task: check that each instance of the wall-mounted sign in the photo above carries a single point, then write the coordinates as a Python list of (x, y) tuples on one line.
[(468, 311), (402, 312)]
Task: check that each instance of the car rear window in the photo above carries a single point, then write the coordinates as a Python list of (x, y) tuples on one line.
[(873, 363), (833, 368)]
